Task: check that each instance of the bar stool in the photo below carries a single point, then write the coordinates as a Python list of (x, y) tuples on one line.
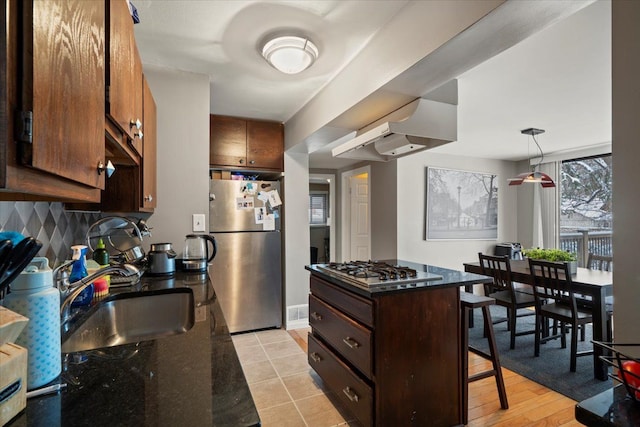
[(468, 302)]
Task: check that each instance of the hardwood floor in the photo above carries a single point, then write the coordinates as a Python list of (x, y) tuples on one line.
[(530, 404)]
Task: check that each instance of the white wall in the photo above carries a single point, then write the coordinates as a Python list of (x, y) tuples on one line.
[(296, 228), (626, 152), (412, 245), (384, 217), (182, 101)]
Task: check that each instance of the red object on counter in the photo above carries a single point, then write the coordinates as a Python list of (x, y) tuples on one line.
[(630, 374)]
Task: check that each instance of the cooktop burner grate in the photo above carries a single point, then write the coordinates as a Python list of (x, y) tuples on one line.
[(370, 274)]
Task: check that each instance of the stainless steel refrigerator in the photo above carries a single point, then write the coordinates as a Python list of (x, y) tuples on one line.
[(244, 218)]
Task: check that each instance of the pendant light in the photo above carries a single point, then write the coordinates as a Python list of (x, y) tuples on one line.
[(534, 176)]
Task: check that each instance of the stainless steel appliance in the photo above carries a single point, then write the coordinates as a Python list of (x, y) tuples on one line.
[(161, 259), (196, 254), (377, 274), (244, 218)]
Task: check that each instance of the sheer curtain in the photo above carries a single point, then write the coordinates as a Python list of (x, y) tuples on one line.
[(546, 210)]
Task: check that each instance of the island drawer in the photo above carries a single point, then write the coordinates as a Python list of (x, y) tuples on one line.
[(352, 340), (355, 394), (355, 306)]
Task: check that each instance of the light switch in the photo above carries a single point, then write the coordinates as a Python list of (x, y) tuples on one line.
[(198, 222)]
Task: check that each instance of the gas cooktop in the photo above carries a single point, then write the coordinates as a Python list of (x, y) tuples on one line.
[(376, 274)]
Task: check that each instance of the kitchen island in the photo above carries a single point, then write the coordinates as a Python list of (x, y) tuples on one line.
[(391, 350), (189, 379)]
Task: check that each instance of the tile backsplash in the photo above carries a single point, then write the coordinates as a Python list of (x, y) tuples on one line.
[(48, 222)]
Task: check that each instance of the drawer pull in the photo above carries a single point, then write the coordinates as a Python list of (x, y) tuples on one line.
[(351, 342), (350, 394), (315, 357), (316, 315)]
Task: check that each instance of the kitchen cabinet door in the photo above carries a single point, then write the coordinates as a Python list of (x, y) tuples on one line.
[(265, 145), (149, 158), (227, 141), (246, 144), (124, 71), (62, 85)]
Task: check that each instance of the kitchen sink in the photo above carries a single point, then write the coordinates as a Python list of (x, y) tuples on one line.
[(130, 318)]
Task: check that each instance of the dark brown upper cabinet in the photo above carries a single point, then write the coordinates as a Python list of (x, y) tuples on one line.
[(246, 144)]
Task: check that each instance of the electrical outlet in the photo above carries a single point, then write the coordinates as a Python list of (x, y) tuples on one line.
[(198, 222)]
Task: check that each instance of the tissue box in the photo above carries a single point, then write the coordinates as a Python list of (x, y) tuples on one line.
[(13, 381)]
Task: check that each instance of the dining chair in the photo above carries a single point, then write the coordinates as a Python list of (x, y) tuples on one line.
[(503, 291), (604, 263), (555, 299), (600, 262)]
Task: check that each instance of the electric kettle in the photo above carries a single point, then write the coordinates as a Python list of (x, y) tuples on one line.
[(196, 255)]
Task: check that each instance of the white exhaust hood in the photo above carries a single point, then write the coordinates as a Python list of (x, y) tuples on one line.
[(418, 126)]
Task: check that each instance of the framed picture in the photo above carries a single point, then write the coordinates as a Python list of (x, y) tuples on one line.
[(461, 205)]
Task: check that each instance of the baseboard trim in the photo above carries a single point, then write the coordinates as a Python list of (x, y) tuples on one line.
[(298, 324)]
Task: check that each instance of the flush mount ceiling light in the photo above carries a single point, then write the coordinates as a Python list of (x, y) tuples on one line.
[(290, 54), (534, 176)]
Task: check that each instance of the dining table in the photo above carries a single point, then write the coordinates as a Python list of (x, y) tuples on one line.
[(594, 284)]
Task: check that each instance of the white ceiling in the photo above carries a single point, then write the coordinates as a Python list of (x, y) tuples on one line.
[(559, 79), (223, 39)]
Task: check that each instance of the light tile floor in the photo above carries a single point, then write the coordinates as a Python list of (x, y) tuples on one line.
[(286, 391)]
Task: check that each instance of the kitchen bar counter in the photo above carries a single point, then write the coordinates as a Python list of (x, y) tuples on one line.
[(190, 379), (450, 278), (392, 354), (611, 408)]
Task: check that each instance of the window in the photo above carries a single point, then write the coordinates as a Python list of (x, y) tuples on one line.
[(318, 208), (586, 206)]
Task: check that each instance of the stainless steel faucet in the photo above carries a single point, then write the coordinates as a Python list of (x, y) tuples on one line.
[(70, 291)]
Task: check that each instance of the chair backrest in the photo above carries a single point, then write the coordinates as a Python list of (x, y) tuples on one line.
[(552, 280), (600, 262), (498, 267)]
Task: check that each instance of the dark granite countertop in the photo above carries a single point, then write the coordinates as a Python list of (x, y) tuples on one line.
[(613, 407), (190, 379), (450, 278)]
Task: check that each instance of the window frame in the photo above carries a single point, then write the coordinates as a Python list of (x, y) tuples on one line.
[(325, 208)]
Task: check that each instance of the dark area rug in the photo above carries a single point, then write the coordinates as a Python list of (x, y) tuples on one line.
[(551, 368)]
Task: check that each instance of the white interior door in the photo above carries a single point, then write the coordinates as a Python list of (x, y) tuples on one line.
[(360, 223)]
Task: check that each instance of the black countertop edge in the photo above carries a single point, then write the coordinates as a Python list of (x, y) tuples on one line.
[(611, 408), (189, 379), (450, 278)]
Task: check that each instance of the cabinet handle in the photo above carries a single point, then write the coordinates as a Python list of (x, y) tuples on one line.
[(148, 198), (350, 394), (315, 357), (252, 161), (351, 342), (241, 161), (109, 168), (316, 315), (138, 134), (135, 124)]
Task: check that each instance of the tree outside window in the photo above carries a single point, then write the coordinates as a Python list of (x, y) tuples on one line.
[(586, 205)]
